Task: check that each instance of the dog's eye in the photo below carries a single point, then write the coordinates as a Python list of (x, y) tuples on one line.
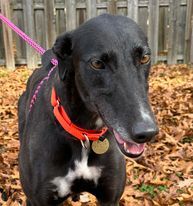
[(145, 59), (97, 64)]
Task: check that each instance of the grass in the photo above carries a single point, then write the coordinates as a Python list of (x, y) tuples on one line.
[(151, 189), (187, 139)]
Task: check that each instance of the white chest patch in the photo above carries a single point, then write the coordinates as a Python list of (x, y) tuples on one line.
[(82, 170)]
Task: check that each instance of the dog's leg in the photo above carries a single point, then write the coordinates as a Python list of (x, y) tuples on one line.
[(28, 203), (110, 200), (109, 204), (111, 185)]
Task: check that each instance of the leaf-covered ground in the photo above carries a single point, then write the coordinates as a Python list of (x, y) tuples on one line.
[(163, 176)]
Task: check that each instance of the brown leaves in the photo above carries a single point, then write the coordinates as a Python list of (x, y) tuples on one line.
[(168, 179), (163, 176), (11, 86)]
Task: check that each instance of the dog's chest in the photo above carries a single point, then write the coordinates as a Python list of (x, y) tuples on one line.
[(81, 171)]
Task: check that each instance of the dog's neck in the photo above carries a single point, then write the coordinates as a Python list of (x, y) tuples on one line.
[(74, 106)]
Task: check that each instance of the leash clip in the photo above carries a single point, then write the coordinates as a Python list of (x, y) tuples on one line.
[(85, 144)]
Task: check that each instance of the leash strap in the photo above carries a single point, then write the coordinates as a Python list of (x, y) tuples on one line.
[(37, 47), (26, 38)]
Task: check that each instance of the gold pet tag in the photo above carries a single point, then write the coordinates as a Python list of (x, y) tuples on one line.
[(100, 147)]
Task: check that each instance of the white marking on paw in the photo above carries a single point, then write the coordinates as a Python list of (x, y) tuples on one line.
[(82, 170)]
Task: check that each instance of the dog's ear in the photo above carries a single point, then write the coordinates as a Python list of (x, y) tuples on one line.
[(63, 45), (63, 50)]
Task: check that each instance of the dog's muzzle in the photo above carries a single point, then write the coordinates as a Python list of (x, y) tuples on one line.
[(136, 146)]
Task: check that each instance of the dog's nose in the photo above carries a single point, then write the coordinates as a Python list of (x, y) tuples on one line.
[(142, 132)]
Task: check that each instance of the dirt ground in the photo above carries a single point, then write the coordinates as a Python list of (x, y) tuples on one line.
[(164, 174)]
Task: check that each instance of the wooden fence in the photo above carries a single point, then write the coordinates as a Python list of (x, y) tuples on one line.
[(167, 23)]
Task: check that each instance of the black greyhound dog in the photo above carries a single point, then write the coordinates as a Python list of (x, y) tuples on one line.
[(101, 82)]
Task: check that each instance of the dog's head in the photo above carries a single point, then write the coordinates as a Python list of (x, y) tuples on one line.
[(111, 60)]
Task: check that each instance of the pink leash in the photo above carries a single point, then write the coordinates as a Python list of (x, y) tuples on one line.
[(37, 47)]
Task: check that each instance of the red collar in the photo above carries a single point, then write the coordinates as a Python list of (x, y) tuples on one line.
[(71, 128)]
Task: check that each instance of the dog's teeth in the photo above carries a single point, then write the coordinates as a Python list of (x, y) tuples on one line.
[(125, 146)]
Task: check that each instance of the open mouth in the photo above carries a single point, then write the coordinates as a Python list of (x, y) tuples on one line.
[(129, 149)]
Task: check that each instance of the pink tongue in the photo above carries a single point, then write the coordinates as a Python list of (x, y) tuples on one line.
[(133, 148)]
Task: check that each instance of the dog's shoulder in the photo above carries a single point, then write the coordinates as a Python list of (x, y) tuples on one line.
[(34, 80), (36, 77)]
